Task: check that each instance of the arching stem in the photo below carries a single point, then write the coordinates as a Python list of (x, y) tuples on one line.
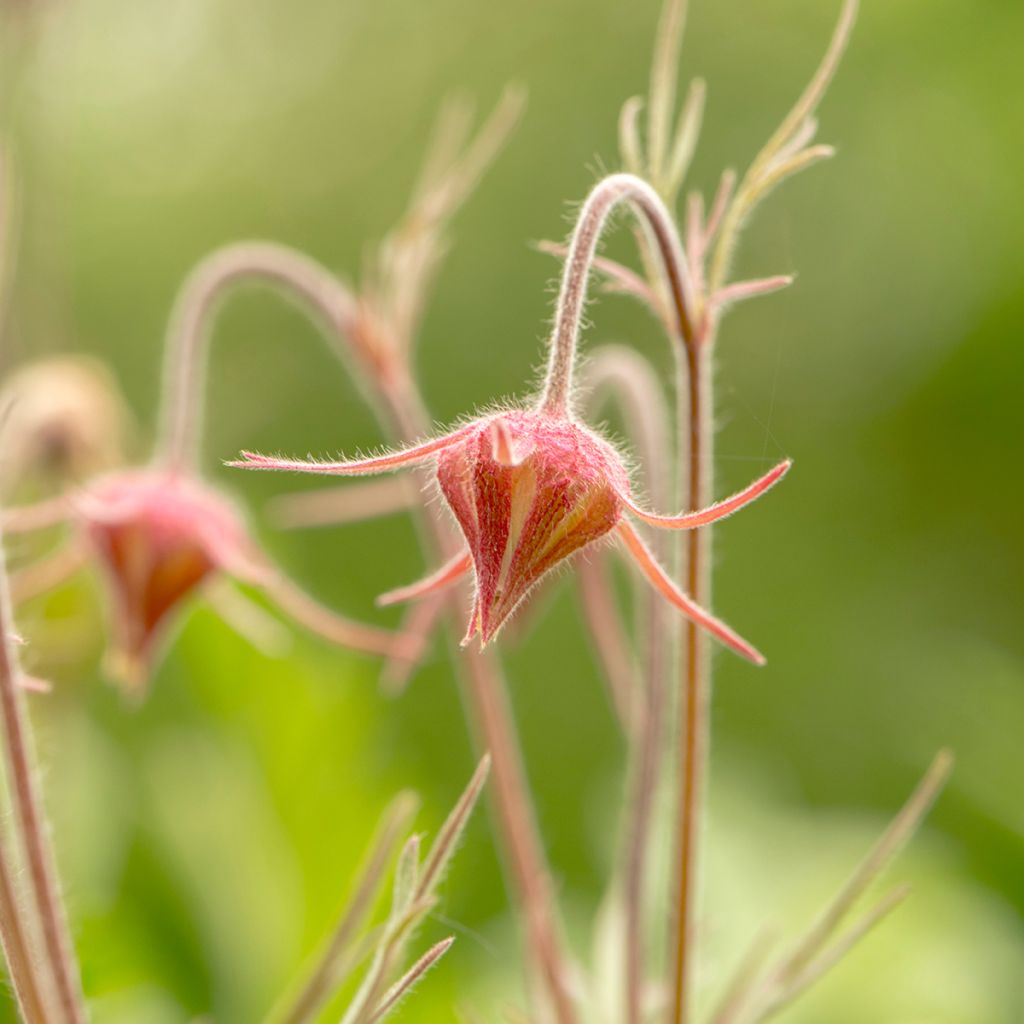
[(692, 332), (298, 277), (602, 201)]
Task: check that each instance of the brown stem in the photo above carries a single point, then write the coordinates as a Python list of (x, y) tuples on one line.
[(694, 729), (693, 337), (31, 828), (492, 719)]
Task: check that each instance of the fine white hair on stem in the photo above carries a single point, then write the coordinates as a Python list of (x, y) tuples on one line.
[(608, 194), (44, 905)]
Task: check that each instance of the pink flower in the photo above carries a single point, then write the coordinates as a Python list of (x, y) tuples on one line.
[(160, 537), (157, 538), (528, 489)]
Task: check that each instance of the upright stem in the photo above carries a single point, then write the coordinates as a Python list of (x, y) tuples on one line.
[(300, 278), (17, 952), (694, 732), (691, 332), (518, 827), (30, 822)]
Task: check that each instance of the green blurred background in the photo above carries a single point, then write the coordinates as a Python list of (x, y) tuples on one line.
[(206, 838)]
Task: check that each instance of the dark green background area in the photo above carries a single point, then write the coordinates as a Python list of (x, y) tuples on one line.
[(207, 838)]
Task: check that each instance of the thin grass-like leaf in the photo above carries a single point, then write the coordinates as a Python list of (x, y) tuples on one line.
[(406, 874), (809, 99), (630, 147), (888, 846), (444, 846), (740, 989), (740, 291), (327, 971), (822, 964), (410, 979), (691, 116), (664, 71), (782, 155)]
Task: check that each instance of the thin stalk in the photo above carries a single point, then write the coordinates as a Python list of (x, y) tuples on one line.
[(403, 414), (300, 279), (29, 821), (21, 966), (14, 928), (692, 353), (696, 436), (325, 974), (607, 195)]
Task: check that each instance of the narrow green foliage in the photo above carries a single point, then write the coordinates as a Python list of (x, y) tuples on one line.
[(755, 995)]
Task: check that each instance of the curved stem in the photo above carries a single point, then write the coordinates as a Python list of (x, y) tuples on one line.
[(304, 280), (605, 197), (30, 822)]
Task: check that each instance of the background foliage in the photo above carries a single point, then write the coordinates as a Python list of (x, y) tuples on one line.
[(207, 837)]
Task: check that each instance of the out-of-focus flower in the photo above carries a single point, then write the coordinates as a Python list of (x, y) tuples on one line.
[(61, 419), (160, 537)]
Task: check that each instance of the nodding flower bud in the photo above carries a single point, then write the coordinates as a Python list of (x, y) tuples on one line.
[(527, 490), (158, 537)]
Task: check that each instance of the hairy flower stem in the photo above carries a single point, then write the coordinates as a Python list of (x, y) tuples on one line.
[(692, 333), (610, 193), (31, 829), (299, 278), (397, 402), (695, 418), (20, 966)]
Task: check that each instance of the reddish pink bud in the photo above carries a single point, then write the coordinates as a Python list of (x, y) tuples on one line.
[(158, 536), (528, 490)]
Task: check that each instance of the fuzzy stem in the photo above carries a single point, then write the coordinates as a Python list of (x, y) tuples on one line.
[(696, 429), (20, 964), (603, 199), (402, 413), (29, 821), (301, 278), (692, 356)]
